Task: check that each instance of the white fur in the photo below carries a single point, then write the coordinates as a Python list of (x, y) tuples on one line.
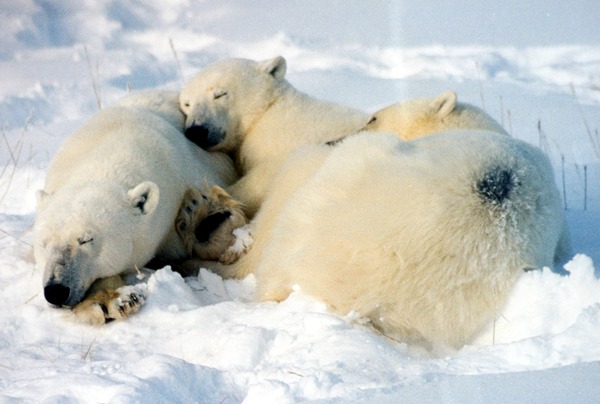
[(251, 110), (419, 117), (113, 190), (396, 232), (412, 119)]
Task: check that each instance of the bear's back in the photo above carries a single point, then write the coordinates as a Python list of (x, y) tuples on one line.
[(121, 143)]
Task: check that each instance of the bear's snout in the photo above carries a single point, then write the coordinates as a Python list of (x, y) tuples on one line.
[(57, 294), (204, 135)]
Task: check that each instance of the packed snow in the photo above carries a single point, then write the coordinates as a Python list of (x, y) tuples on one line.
[(534, 66)]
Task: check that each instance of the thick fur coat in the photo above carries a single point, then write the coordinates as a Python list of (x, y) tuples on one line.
[(113, 191), (248, 109)]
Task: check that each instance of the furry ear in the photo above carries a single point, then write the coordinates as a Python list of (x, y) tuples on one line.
[(219, 192), (276, 67), (444, 103), (144, 197), (40, 197)]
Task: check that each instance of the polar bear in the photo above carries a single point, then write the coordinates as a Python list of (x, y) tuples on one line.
[(425, 239), (113, 191), (419, 117), (248, 109), (412, 119), (408, 119)]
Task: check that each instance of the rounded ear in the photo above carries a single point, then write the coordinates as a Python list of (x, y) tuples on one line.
[(276, 67), (144, 197), (218, 191), (40, 197), (444, 103)]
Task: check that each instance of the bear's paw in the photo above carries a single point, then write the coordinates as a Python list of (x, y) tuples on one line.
[(109, 305)]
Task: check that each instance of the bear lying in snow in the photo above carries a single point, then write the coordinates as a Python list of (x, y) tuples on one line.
[(419, 117), (112, 193), (248, 108), (423, 238)]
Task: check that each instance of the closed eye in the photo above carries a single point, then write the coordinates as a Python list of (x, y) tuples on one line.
[(85, 240), (219, 94), (372, 120)]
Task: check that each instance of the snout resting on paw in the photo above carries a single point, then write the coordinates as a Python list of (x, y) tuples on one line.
[(206, 223), (109, 305), (103, 213)]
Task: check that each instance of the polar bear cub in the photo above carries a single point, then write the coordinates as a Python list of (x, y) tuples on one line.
[(415, 118), (419, 117), (425, 238), (113, 191), (249, 109)]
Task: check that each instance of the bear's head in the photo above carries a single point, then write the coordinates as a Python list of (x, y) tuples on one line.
[(226, 98), (86, 233), (424, 116), (163, 103)]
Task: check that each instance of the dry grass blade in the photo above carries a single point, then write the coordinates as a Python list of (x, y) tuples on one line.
[(15, 238), (479, 81), (96, 93), (11, 166), (593, 140), (87, 353), (177, 60), (543, 139)]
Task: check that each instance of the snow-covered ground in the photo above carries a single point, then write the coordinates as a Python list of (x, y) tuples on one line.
[(535, 66)]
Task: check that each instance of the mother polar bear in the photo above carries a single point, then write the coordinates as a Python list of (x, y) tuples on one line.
[(424, 238), (111, 196)]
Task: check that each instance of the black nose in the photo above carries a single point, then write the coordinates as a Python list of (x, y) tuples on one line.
[(204, 136), (57, 294)]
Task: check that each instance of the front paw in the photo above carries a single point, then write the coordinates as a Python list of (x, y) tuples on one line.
[(206, 223), (242, 243), (194, 207), (109, 305)]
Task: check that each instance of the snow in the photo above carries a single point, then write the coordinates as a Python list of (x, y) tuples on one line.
[(203, 339)]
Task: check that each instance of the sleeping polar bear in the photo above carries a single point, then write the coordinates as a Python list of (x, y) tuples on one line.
[(249, 109), (112, 193), (425, 239)]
